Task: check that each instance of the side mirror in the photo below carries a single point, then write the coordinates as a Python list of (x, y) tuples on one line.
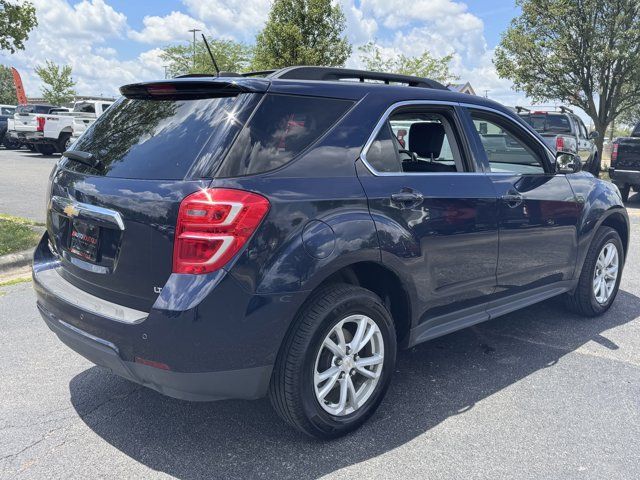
[(567, 163), (593, 135)]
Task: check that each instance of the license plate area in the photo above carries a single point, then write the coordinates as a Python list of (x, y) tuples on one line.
[(84, 240)]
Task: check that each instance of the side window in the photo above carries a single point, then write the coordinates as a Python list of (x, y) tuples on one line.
[(280, 129), (583, 129), (505, 151), (415, 141)]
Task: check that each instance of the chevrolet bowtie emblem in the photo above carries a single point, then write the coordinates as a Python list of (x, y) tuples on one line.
[(71, 211)]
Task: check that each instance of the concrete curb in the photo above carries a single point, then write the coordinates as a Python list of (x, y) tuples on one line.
[(16, 260)]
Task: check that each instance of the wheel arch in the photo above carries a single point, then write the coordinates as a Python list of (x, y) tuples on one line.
[(616, 219), (382, 281)]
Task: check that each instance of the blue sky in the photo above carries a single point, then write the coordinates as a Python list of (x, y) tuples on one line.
[(112, 42)]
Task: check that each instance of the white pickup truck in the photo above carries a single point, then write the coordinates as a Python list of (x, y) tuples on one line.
[(25, 128), (60, 130)]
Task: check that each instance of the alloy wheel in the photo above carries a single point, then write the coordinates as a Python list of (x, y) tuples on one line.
[(348, 365), (605, 275)]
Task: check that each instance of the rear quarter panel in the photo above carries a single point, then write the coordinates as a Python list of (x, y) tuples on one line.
[(600, 199)]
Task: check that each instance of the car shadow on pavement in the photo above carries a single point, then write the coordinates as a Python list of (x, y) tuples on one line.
[(433, 381)]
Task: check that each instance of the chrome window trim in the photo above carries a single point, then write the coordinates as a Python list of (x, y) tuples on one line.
[(408, 103)]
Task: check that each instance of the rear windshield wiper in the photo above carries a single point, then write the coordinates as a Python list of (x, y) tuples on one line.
[(83, 157)]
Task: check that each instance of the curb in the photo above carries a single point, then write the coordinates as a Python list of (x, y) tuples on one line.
[(15, 260)]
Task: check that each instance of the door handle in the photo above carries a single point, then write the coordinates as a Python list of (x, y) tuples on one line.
[(407, 199), (512, 199)]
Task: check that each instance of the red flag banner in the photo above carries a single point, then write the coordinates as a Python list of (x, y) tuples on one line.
[(22, 98)]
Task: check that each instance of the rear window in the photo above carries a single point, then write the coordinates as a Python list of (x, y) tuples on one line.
[(544, 123), (163, 139), (84, 107), (7, 110), (26, 109), (280, 129)]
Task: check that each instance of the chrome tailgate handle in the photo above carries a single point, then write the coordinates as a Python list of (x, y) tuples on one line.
[(85, 211)]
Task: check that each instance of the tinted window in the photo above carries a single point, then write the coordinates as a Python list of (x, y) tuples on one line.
[(281, 128), (7, 110), (505, 151), (548, 123), (26, 109), (84, 107), (163, 139)]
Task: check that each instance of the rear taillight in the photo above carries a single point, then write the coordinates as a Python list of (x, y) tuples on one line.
[(614, 154), (40, 126), (559, 143), (213, 225)]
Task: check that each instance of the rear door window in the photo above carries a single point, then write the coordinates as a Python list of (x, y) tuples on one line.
[(163, 139), (281, 128)]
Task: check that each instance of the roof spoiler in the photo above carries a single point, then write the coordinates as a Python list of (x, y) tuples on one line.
[(191, 88)]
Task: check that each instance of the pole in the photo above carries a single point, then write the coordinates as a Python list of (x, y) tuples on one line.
[(194, 30)]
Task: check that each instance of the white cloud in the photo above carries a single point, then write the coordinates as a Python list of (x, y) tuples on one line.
[(81, 35), (237, 19), (169, 28)]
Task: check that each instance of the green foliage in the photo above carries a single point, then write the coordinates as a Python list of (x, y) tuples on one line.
[(7, 88), (302, 32), (58, 88), (16, 234), (230, 56), (424, 65), (17, 19), (585, 53)]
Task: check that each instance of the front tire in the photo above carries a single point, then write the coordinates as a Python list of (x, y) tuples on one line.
[(336, 362), (600, 277)]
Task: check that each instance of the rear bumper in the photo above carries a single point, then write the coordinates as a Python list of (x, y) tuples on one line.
[(27, 137), (221, 346), (248, 383), (625, 177)]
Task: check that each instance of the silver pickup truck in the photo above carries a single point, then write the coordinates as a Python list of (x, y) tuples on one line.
[(564, 131)]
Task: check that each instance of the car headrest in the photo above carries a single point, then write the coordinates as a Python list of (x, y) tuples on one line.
[(426, 139)]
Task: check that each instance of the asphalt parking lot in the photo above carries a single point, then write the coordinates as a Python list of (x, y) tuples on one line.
[(23, 183), (536, 394)]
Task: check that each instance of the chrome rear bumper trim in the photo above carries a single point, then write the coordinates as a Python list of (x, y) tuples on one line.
[(52, 282)]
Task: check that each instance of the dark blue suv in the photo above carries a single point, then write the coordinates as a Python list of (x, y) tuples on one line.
[(238, 236)]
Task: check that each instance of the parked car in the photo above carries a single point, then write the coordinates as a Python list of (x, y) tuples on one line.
[(216, 238), (63, 128), (27, 129), (6, 111), (625, 163), (564, 131)]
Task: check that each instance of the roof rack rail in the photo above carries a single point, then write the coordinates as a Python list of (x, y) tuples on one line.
[(522, 109), (337, 74), (564, 109), (259, 73)]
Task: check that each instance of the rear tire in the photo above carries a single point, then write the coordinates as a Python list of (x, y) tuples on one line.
[(45, 149), (9, 145), (64, 142), (31, 147), (586, 300), (297, 383)]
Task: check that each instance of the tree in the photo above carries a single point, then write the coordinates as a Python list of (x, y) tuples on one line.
[(7, 88), (302, 32), (16, 21), (230, 56), (582, 52), (58, 84), (424, 65)]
